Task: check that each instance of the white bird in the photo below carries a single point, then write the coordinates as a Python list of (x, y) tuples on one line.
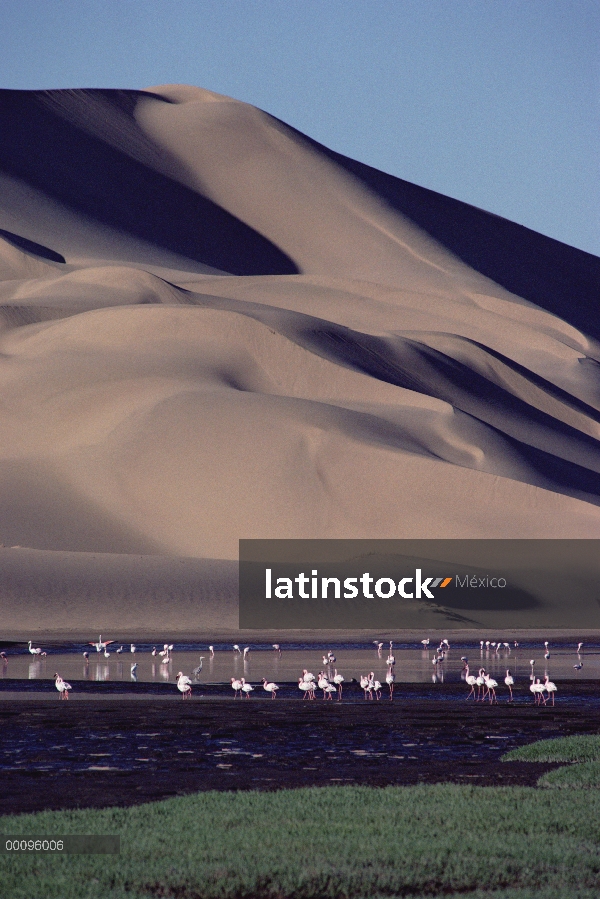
[(120, 650), (537, 689), (378, 645), (236, 648), (307, 687), (101, 645), (480, 684), (330, 658), (491, 685), (509, 681), (166, 649), (328, 690), (153, 653), (106, 654), (364, 683), (579, 645), (166, 660), (62, 686), (338, 680), (277, 648), (247, 688), (307, 676), (236, 685), (134, 671), (374, 685), (35, 650), (212, 651), (197, 670), (270, 687), (389, 679), (184, 685), (550, 688), (246, 651), (132, 649), (390, 661), (471, 680), (425, 643)]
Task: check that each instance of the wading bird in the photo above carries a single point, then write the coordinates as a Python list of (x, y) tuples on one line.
[(471, 680), (307, 688), (550, 688), (62, 686), (277, 648), (338, 680), (246, 689), (389, 679), (509, 681), (270, 687), (35, 650), (212, 651), (236, 685), (101, 645), (197, 670), (184, 685)]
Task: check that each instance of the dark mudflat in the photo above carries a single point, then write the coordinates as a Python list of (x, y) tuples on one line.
[(111, 752)]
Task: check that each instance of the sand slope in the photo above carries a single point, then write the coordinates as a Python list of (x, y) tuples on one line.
[(211, 327)]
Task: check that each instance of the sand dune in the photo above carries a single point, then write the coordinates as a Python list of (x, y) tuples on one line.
[(212, 327)]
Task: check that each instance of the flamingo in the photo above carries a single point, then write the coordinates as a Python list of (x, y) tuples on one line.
[(425, 643), (106, 654), (101, 645), (153, 653), (375, 685), (246, 651), (307, 677), (166, 649), (379, 646), (197, 670), (247, 688), (491, 685), (277, 648), (579, 645), (184, 685), (365, 685), (62, 686), (550, 688), (237, 649), (328, 690), (4, 659), (132, 648), (480, 682), (471, 680), (389, 679), (35, 650), (322, 684), (537, 689), (270, 687), (236, 685), (307, 688), (509, 681), (212, 651), (134, 671), (338, 679), (390, 661)]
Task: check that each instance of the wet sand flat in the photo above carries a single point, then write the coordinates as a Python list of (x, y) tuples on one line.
[(115, 752)]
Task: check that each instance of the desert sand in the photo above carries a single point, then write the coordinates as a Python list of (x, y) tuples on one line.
[(214, 328)]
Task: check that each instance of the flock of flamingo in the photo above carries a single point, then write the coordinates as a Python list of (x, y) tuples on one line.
[(329, 681)]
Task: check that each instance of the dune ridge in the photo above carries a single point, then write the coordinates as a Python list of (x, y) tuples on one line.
[(212, 327)]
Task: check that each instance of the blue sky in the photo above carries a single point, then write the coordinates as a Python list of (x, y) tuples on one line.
[(495, 102)]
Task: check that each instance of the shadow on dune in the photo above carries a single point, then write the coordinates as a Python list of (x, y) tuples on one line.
[(561, 279), (30, 246), (567, 459), (53, 141)]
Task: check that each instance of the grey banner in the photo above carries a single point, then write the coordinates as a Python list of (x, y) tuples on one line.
[(350, 584), (69, 844)]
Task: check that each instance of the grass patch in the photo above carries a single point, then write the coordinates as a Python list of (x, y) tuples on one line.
[(563, 749), (583, 776), (350, 842)]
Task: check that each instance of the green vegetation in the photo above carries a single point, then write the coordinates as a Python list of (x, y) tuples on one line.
[(585, 776), (564, 749), (350, 842)]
